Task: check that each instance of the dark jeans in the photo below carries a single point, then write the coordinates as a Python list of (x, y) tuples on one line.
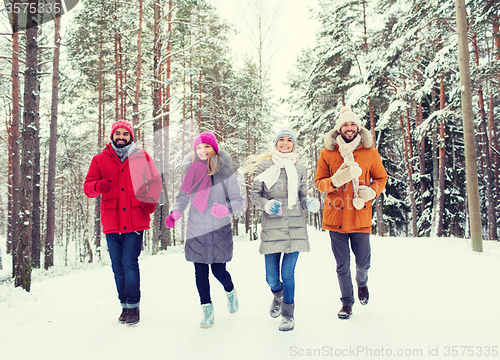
[(360, 243), (287, 274), (124, 250), (203, 284)]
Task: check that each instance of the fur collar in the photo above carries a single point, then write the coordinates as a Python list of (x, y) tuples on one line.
[(331, 138), (225, 168)]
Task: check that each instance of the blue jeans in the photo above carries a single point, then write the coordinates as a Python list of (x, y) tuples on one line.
[(360, 243), (203, 283), (287, 274), (124, 250)]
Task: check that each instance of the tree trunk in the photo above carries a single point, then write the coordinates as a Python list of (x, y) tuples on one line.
[(408, 158), (468, 121), (157, 125), (166, 233), (442, 163), (14, 133), (492, 225), (492, 132), (51, 181), (135, 117), (35, 222), (23, 252)]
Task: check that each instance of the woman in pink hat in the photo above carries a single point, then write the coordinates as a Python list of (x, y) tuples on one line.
[(212, 190)]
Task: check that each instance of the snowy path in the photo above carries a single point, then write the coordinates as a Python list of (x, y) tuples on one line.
[(426, 294)]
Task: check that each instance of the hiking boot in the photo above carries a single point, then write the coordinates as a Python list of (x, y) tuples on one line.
[(287, 322), (345, 313), (363, 294), (208, 316), (275, 309), (232, 301), (132, 316), (123, 317)]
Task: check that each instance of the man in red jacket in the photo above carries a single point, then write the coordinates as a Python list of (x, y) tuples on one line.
[(130, 186)]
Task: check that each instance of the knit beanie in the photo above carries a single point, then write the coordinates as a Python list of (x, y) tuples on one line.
[(206, 138), (122, 124), (286, 131), (347, 115)]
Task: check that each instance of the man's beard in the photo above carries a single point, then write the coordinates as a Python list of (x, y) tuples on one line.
[(121, 145), (346, 139)]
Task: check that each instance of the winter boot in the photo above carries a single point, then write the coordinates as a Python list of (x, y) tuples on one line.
[(123, 317), (208, 316), (288, 322), (132, 316), (232, 301), (345, 313), (363, 294), (275, 309)]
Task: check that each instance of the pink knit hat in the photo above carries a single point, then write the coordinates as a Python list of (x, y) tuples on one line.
[(206, 138), (122, 124)]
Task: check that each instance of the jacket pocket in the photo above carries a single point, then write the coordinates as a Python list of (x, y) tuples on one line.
[(333, 212), (138, 217), (364, 216), (109, 216)]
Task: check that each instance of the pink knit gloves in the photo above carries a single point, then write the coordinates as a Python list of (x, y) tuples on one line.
[(172, 218)]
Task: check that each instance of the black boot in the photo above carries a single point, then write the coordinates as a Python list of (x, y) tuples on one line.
[(363, 294), (345, 313)]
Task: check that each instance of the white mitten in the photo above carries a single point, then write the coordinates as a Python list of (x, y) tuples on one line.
[(313, 205), (366, 193), (345, 174)]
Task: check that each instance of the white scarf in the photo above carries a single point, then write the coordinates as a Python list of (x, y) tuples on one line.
[(346, 151), (271, 175)]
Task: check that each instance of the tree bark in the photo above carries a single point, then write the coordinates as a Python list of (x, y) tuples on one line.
[(51, 181), (14, 133), (468, 121), (23, 252)]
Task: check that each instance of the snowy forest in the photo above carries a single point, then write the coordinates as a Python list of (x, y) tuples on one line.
[(166, 66)]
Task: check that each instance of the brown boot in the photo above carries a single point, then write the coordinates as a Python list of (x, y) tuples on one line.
[(133, 316), (123, 317), (345, 313)]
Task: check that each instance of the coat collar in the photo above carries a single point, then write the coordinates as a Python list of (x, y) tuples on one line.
[(331, 139)]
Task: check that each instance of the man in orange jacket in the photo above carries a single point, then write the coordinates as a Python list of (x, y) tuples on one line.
[(351, 172)]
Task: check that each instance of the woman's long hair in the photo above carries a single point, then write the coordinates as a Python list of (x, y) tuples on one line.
[(213, 162), (253, 161)]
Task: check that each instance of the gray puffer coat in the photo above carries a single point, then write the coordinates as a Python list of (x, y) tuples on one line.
[(209, 239), (287, 232)]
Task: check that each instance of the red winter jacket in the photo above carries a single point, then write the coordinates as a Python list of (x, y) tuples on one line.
[(134, 181)]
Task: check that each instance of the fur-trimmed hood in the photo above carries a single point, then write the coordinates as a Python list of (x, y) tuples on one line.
[(225, 162), (331, 138)]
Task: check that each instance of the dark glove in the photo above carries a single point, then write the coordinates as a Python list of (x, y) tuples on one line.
[(149, 206), (103, 186)]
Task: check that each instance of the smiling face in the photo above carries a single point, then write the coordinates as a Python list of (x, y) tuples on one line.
[(121, 137), (349, 131), (204, 151), (285, 144)]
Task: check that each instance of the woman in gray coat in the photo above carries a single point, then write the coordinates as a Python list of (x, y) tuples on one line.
[(212, 189), (280, 190)]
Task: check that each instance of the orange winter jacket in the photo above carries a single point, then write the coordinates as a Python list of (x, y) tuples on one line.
[(339, 214)]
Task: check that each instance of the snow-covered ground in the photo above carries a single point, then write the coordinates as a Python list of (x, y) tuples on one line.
[(429, 298)]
